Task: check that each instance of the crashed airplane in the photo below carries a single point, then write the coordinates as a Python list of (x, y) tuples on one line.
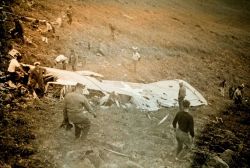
[(146, 97)]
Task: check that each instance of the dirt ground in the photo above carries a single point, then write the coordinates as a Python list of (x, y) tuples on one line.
[(202, 42)]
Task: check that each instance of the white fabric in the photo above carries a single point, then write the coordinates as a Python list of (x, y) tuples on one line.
[(61, 58), (45, 39), (58, 22), (13, 52), (136, 56), (13, 65)]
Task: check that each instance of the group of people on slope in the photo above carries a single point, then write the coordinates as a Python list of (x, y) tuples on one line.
[(33, 77), (185, 130), (76, 106)]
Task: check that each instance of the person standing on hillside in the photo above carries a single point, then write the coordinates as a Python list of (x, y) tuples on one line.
[(136, 58), (76, 107), (18, 31), (181, 95), (185, 127), (73, 59), (69, 14), (222, 87)]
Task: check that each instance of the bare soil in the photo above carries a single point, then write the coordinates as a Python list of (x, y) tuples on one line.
[(202, 42)]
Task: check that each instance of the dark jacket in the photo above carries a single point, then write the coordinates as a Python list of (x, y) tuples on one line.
[(185, 122)]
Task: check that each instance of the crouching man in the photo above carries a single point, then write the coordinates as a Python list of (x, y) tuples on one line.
[(75, 108), (185, 127), (238, 95), (14, 65), (36, 82)]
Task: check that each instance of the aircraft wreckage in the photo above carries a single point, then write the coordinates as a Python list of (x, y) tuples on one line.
[(146, 97)]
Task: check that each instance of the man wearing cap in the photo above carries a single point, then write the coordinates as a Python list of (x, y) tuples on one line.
[(185, 127), (181, 95), (14, 65), (36, 78), (75, 111)]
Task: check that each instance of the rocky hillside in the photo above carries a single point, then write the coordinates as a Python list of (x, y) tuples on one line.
[(202, 42)]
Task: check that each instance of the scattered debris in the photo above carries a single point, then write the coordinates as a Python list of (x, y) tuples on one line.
[(89, 73), (117, 153), (127, 16), (58, 22), (149, 117), (13, 52), (45, 39), (163, 119), (110, 99), (219, 120)]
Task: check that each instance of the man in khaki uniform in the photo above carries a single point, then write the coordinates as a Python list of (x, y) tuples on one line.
[(76, 107)]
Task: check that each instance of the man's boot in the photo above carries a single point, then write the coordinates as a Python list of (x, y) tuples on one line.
[(86, 127)]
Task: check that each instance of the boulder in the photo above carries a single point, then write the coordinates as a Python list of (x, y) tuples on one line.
[(227, 156), (217, 162)]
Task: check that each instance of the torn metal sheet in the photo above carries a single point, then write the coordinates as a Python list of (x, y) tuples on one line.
[(147, 97), (63, 75), (89, 73)]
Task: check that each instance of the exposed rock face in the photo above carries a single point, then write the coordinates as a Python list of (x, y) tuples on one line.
[(229, 141), (227, 156), (217, 162), (5, 37)]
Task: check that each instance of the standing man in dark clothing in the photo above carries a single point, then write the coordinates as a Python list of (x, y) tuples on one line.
[(185, 127), (18, 31), (181, 95), (231, 91)]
